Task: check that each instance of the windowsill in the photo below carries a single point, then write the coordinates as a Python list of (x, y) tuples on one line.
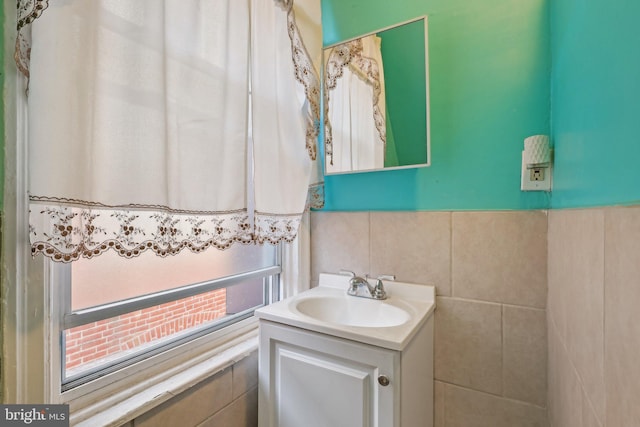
[(160, 391)]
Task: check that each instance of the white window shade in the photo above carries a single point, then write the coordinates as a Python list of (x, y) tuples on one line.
[(138, 125)]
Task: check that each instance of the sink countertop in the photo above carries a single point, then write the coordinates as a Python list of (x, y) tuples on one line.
[(418, 300)]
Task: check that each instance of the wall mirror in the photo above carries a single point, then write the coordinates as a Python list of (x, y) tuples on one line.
[(376, 100)]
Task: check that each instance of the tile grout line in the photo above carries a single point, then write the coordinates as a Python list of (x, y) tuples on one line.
[(497, 396)]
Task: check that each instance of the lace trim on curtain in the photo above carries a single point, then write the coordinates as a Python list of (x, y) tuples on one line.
[(28, 11), (306, 75), (275, 228), (367, 69), (315, 197), (65, 232)]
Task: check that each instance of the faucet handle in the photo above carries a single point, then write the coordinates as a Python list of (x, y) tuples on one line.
[(378, 290)]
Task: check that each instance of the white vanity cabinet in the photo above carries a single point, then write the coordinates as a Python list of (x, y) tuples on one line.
[(310, 379), (328, 359)]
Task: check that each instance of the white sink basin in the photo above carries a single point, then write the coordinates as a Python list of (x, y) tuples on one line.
[(352, 311), (327, 309)]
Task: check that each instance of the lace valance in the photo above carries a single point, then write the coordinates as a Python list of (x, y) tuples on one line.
[(68, 232)]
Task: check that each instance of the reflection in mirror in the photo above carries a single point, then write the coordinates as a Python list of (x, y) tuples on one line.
[(376, 100)]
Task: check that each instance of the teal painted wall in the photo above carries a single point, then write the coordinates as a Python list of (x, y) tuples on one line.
[(596, 102), (489, 86), (404, 73)]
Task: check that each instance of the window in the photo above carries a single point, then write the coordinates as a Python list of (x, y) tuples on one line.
[(54, 312), (119, 311), (67, 297)]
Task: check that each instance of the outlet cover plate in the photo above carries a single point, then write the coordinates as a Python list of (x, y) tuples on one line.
[(527, 184)]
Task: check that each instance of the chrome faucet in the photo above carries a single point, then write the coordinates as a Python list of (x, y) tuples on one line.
[(357, 283)]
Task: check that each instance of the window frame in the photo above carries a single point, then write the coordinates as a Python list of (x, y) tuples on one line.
[(126, 382), (33, 358), (64, 317)]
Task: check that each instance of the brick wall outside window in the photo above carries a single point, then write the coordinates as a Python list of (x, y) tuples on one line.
[(90, 343)]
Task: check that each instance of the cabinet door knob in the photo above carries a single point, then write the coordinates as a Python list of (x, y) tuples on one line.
[(383, 380)]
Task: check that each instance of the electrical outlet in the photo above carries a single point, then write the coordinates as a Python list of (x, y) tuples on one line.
[(536, 174), (535, 179)]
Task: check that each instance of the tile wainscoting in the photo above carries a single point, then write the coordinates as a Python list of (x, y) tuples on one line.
[(490, 271), (594, 330), (229, 398)]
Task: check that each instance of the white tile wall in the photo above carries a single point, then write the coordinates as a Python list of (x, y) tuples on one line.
[(415, 246), (524, 344), (490, 271), (229, 398), (468, 344), (469, 408), (594, 332), (500, 356), (501, 257)]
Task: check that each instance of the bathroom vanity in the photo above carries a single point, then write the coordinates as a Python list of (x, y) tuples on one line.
[(328, 359)]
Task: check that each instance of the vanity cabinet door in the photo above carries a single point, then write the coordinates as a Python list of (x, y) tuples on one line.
[(315, 380)]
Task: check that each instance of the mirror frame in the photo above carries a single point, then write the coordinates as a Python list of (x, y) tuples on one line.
[(423, 18)]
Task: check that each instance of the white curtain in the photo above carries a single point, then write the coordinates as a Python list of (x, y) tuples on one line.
[(296, 265), (282, 165), (139, 119), (355, 106)]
